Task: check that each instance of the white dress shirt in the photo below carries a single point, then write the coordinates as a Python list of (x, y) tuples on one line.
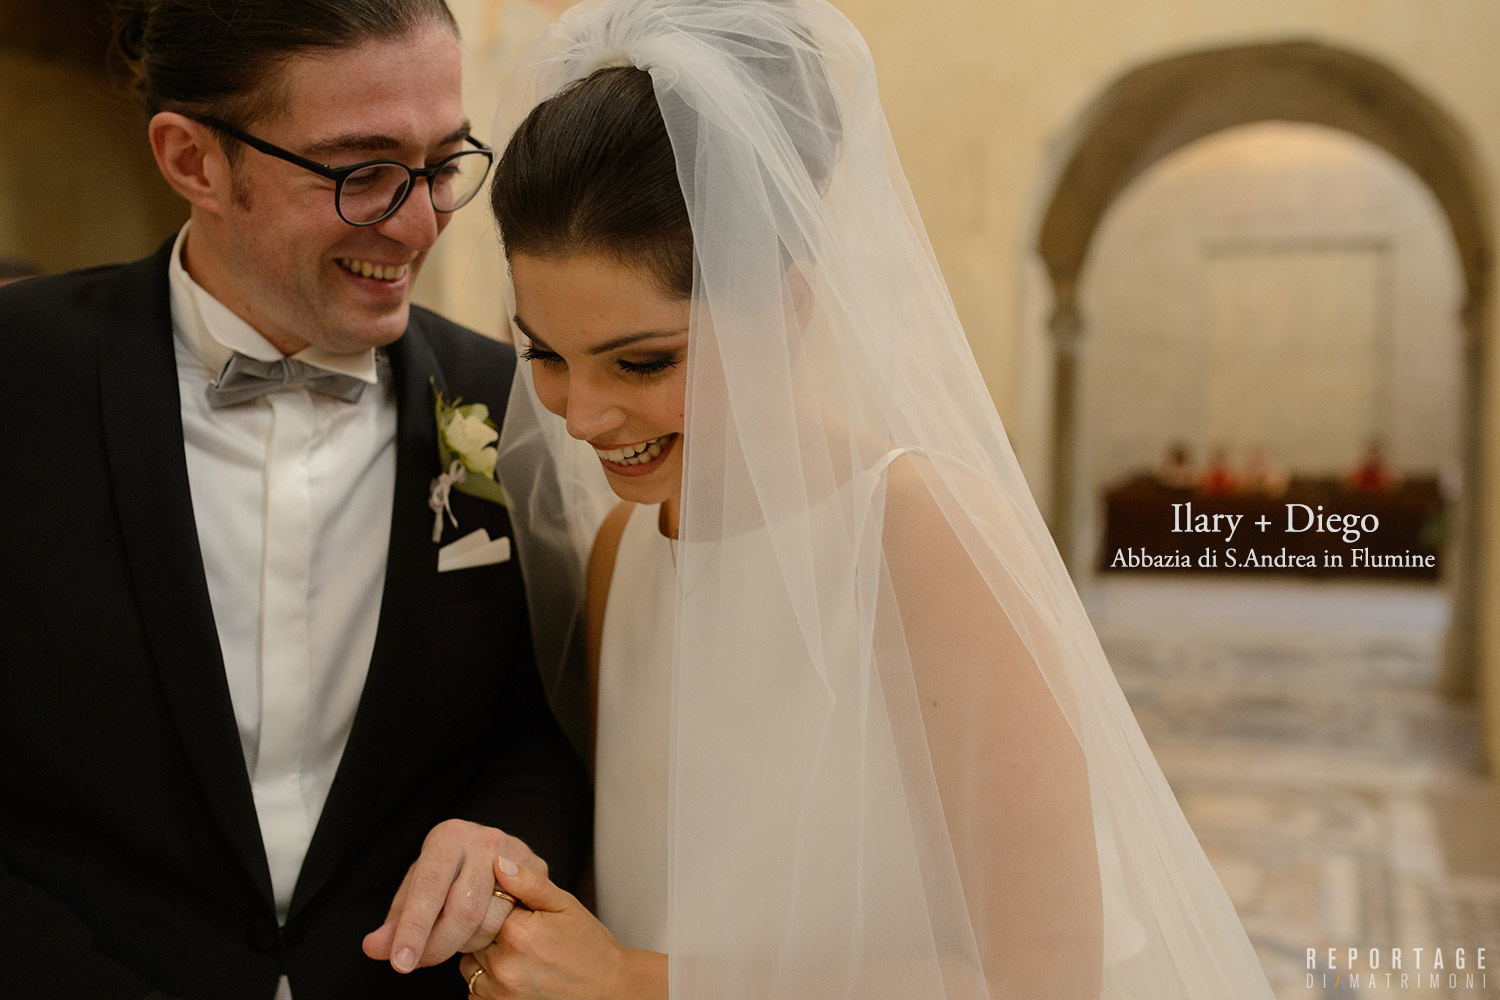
[(292, 497)]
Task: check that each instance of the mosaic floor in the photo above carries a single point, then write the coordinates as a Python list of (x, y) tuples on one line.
[(1337, 795)]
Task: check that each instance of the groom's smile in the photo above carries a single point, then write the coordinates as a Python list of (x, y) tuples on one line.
[(274, 247), (380, 272)]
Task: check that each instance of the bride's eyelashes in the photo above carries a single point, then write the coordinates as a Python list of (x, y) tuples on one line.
[(642, 370), (651, 367), (537, 354)]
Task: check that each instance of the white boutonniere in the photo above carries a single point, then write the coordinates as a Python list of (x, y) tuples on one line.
[(466, 446)]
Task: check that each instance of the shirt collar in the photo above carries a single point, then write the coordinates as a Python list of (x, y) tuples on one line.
[(212, 331)]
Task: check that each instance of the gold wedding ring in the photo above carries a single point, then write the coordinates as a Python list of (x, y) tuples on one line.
[(474, 978), (502, 894)]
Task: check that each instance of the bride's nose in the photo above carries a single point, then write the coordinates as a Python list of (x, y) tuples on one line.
[(590, 414)]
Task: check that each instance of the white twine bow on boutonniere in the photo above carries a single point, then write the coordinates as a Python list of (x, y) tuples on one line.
[(466, 446)]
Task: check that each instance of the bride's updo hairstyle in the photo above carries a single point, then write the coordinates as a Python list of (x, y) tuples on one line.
[(592, 168)]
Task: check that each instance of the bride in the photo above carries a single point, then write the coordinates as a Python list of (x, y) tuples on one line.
[(854, 735)]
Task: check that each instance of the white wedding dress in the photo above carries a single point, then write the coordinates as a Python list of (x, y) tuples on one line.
[(633, 741), (633, 737), (633, 752)]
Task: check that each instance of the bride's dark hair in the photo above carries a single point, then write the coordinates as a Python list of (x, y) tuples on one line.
[(592, 170)]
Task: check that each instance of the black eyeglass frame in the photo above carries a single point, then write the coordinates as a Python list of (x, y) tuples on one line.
[(339, 174)]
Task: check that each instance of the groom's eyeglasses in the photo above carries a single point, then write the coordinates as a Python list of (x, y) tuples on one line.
[(366, 193)]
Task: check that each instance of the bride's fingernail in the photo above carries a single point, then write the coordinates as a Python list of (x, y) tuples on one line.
[(507, 866)]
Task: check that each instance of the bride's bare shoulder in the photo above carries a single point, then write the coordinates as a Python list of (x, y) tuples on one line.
[(924, 491)]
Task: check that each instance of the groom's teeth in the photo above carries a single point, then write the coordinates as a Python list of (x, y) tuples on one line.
[(380, 272)]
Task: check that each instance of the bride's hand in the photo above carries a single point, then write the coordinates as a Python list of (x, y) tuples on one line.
[(555, 949)]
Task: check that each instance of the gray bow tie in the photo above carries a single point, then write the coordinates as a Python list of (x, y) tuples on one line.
[(243, 379)]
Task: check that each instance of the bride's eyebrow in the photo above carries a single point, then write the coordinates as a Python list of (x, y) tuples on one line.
[(535, 340), (631, 338), (607, 346)]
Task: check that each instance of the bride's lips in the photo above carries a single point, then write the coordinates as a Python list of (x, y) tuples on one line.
[(667, 442)]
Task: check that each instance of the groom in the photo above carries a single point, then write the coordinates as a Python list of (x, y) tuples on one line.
[(245, 703)]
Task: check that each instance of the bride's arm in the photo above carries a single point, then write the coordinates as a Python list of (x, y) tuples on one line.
[(997, 718)]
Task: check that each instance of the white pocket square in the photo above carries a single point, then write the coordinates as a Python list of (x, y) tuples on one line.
[(474, 549)]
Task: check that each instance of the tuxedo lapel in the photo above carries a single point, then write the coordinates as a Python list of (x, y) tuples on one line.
[(402, 639), (142, 425)]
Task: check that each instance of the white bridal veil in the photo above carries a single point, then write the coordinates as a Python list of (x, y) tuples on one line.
[(900, 764)]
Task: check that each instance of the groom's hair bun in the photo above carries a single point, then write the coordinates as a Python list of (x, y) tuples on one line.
[(219, 58)]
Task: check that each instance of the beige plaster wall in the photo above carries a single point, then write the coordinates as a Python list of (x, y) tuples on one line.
[(983, 98), (1282, 285), (463, 276), (77, 183)]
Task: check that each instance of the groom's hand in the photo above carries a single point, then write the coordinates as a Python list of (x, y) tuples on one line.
[(447, 902)]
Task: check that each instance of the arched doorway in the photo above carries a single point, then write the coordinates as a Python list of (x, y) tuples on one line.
[(1157, 109)]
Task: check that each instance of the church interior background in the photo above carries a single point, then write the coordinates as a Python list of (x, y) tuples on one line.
[(1261, 231)]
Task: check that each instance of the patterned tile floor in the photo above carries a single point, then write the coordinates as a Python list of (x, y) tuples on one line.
[(1300, 729)]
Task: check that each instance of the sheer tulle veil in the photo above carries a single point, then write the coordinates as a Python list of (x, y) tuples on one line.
[(935, 787)]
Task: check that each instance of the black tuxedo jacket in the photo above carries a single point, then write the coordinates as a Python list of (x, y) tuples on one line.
[(131, 862)]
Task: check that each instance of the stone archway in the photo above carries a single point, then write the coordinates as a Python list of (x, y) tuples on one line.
[(1155, 110)]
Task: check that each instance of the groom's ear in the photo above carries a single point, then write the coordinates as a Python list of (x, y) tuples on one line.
[(191, 158)]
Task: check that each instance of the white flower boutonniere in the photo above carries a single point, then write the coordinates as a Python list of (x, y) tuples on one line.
[(466, 447)]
